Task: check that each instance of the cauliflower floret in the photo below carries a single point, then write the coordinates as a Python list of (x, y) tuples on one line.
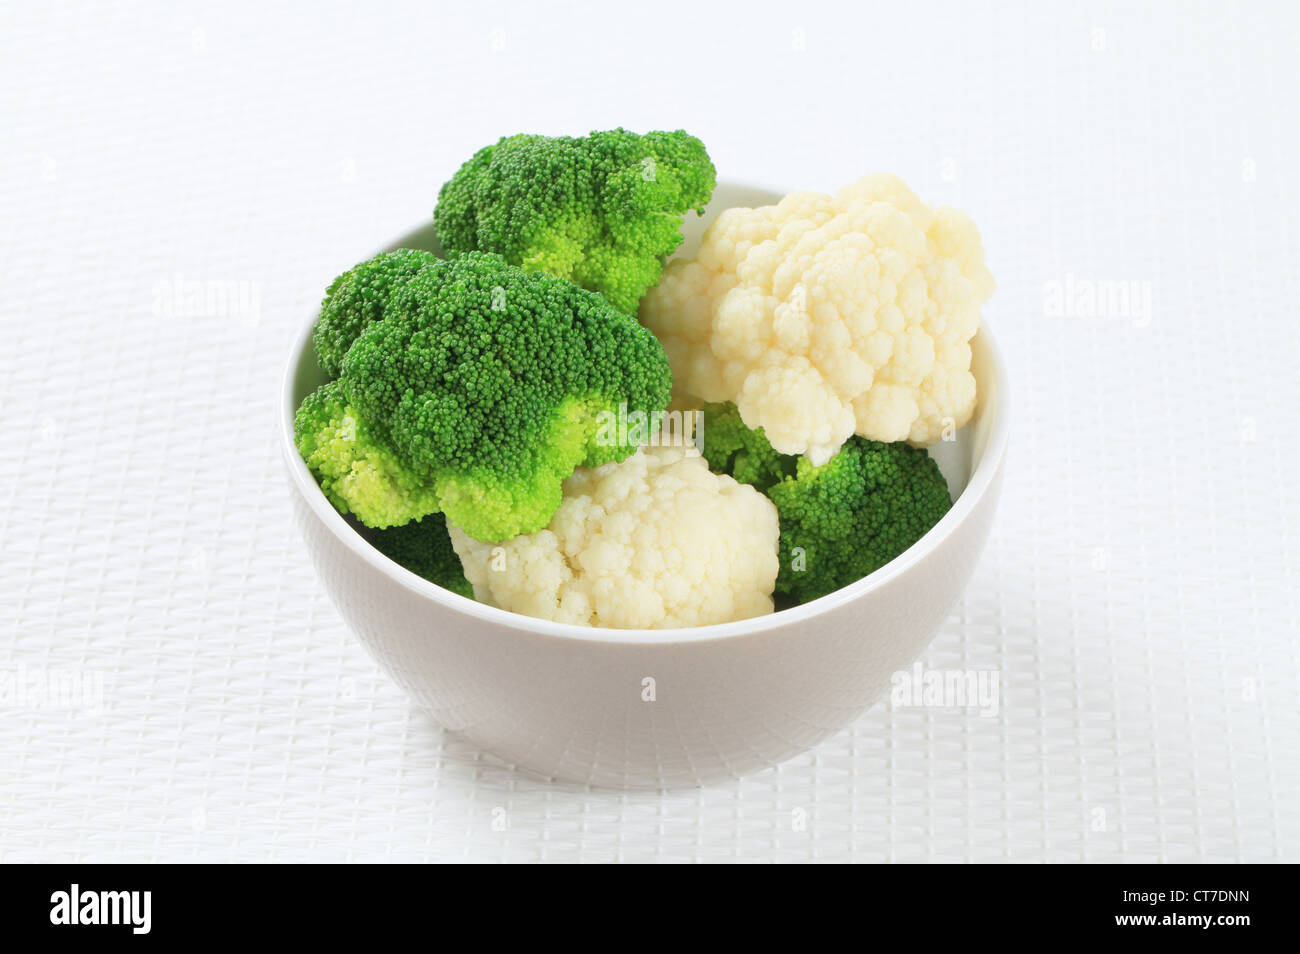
[(655, 542), (827, 316)]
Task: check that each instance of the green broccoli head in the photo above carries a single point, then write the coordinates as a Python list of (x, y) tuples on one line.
[(357, 467), (854, 514), (840, 521), (424, 547), (479, 392), (603, 211), (732, 448), (356, 298)]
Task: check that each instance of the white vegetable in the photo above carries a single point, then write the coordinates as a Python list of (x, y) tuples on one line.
[(826, 316), (656, 541)]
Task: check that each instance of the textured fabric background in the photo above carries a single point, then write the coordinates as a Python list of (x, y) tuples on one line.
[(1136, 600)]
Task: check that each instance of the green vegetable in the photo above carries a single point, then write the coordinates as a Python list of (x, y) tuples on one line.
[(854, 514), (477, 394), (355, 464), (732, 448), (839, 521), (356, 298), (424, 547), (603, 211)]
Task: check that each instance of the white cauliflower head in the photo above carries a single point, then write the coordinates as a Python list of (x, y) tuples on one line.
[(827, 316), (654, 542)]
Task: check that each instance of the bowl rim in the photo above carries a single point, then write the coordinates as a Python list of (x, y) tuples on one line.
[(977, 486)]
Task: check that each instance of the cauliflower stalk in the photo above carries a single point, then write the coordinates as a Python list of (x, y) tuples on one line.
[(654, 542), (826, 316)]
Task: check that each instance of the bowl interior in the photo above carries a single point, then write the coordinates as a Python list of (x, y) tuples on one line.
[(960, 459)]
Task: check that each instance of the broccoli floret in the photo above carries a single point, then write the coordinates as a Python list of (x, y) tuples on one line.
[(732, 448), (424, 547), (479, 392), (356, 298), (839, 521), (357, 467), (854, 514), (603, 211)]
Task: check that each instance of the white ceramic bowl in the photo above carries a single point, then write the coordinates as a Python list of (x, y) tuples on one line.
[(576, 703)]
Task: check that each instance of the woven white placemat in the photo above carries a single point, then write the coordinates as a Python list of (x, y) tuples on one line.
[(177, 686)]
